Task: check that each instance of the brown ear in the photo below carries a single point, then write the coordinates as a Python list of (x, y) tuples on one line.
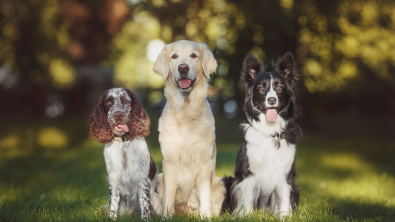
[(100, 128), (139, 122)]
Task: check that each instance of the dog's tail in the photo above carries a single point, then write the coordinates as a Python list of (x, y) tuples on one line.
[(228, 205)]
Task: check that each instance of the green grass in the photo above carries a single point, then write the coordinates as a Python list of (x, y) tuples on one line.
[(341, 179)]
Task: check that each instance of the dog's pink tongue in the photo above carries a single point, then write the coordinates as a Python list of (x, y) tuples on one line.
[(271, 115), (124, 127), (184, 83)]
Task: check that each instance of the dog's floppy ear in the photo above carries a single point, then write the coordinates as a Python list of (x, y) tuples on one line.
[(207, 59), (287, 65), (99, 127), (161, 64), (139, 121), (251, 69)]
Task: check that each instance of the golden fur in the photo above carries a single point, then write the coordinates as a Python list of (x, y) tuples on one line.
[(187, 134)]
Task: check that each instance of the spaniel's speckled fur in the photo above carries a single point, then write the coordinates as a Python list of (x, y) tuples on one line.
[(132, 174)]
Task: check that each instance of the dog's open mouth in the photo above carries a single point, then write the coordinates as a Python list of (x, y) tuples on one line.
[(271, 114), (185, 83), (121, 128)]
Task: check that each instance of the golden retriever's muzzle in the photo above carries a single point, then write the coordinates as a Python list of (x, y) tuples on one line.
[(185, 84)]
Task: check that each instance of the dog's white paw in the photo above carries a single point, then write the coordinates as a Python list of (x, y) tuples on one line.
[(113, 215)]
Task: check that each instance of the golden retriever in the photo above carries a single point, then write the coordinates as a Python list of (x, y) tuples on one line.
[(187, 132)]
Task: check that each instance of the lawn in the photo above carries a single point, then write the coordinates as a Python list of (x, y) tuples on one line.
[(342, 178)]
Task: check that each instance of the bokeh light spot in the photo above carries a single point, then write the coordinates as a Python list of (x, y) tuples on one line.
[(154, 48), (52, 137)]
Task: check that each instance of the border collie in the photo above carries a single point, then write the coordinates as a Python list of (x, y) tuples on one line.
[(265, 165)]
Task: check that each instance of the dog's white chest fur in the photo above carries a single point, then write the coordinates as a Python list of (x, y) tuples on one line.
[(127, 163), (269, 165), (187, 141)]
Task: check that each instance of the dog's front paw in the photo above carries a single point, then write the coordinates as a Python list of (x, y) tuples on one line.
[(206, 215), (113, 215), (166, 216), (285, 214), (144, 217)]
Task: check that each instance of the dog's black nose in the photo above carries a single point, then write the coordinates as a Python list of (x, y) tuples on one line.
[(183, 68), (118, 115), (271, 100)]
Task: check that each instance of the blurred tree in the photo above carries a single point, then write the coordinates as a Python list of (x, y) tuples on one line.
[(76, 48), (30, 38), (90, 25), (269, 32), (344, 41), (346, 53), (49, 46)]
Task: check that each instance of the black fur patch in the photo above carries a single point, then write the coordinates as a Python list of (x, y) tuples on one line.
[(251, 112), (152, 169), (292, 132), (242, 169), (228, 203), (295, 192)]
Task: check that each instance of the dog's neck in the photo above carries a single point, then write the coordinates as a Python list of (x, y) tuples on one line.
[(190, 105), (264, 127), (122, 138)]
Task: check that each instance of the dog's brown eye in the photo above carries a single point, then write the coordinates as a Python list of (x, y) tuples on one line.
[(174, 56), (126, 101), (108, 102), (261, 88), (193, 55), (279, 87)]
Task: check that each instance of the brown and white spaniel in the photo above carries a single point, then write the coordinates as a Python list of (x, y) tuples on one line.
[(119, 121)]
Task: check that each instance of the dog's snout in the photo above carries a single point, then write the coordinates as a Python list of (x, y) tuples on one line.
[(183, 68), (118, 115), (271, 100)]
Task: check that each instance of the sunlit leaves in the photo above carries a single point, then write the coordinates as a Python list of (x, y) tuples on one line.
[(63, 74), (358, 34), (214, 22)]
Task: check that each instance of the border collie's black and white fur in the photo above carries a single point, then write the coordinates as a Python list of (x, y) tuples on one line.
[(265, 165)]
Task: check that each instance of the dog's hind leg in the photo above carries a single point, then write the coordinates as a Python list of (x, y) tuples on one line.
[(156, 193), (218, 195), (295, 192)]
